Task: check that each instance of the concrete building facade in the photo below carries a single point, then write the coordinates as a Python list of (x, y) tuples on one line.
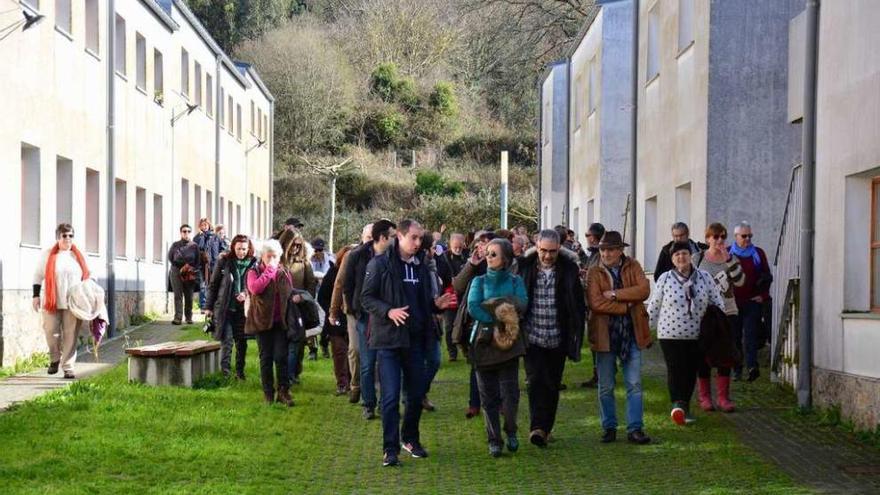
[(554, 145), (54, 148), (600, 128), (714, 144)]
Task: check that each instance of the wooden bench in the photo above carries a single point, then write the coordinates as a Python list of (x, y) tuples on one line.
[(173, 363)]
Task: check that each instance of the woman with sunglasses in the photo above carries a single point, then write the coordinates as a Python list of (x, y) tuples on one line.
[(497, 369), (678, 302), (186, 262), (296, 261), (727, 273), (61, 267)]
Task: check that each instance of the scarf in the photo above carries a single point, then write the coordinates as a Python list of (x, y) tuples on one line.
[(747, 252), (240, 268), (620, 327), (687, 282), (50, 304)]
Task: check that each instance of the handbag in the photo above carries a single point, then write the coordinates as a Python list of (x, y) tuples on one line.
[(188, 273)]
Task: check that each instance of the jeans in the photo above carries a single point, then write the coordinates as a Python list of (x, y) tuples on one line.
[(499, 389), (294, 359), (606, 367), (746, 328), (683, 358), (233, 333), (273, 350), (368, 365), (408, 363), (474, 400), (432, 362), (544, 368)]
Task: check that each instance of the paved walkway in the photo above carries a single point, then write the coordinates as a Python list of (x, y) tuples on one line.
[(31, 385)]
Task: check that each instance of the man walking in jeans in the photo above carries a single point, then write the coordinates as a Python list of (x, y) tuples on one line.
[(554, 324), (397, 294), (749, 297), (355, 271), (618, 329)]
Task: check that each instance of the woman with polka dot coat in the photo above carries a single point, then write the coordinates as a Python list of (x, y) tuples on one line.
[(678, 302)]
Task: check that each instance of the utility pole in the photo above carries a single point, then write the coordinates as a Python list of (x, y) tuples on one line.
[(504, 189)]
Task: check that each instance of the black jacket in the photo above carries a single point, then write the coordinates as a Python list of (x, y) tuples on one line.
[(456, 262), (570, 306), (383, 291), (444, 271), (220, 289), (325, 293), (355, 270), (664, 261)]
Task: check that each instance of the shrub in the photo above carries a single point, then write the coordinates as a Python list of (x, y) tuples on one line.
[(443, 99), (431, 183)]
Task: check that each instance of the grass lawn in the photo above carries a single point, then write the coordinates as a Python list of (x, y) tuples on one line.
[(104, 435)]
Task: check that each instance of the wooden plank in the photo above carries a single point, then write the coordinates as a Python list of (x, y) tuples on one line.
[(189, 348)]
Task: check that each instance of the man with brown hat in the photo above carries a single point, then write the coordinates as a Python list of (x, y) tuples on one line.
[(618, 330)]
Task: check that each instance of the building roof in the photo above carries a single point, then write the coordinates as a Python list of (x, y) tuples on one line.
[(163, 13), (248, 69)]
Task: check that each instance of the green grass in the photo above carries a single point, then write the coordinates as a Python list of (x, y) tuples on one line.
[(104, 435), (37, 360)]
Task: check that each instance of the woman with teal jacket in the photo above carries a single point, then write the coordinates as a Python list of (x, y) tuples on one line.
[(497, 301)]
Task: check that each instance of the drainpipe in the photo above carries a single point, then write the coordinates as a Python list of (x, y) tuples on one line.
[(111, 167), (634, 129), (808, 217), (567, 208), (539, 147), (271, 208), (217, 204)]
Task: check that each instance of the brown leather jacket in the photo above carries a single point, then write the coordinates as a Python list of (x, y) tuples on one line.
[(261, 310), (636, 289)]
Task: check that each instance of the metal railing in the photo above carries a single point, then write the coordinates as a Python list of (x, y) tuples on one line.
[(784, 337)]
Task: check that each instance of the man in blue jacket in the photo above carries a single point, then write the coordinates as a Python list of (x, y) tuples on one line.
[(397, 293)]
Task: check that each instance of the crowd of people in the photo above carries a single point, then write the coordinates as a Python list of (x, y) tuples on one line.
[(388, 304)]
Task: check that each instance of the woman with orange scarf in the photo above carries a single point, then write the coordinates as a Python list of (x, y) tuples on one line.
[(61, 266)]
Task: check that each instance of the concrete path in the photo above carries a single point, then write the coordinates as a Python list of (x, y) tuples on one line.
[(31, 385)]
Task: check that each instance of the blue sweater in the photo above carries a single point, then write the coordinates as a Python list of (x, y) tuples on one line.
[(493, 284)]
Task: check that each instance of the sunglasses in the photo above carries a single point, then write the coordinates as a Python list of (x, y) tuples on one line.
[(745, 236), (67, 236), (722, 236), (185, 231), (492, 254)]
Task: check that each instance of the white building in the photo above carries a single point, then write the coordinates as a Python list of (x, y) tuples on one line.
[(54, 147), (553, 150), (600, 127)]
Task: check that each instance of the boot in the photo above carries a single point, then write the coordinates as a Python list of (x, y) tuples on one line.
[(269, 396), (724, 402), (705, 394), (284, 396)]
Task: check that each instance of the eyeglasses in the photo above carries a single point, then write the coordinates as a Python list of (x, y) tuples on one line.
[(491, 254), (722, 236), (67, 236), (745, 236)]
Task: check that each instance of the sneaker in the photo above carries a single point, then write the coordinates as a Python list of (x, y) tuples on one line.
[(609, 436), (415, 449), (512, 442), (53, 367), (538, 438), (591, 383), (689, 419), (638, 437), (495, 450), (175, 322), (390, 459), (68, 375), (754, 373), (427, 405), (472, 412), (189, 322), (678, 415), (369, 413), (354, 395)]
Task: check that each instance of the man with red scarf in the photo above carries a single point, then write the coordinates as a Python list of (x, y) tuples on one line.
[(61, 267)]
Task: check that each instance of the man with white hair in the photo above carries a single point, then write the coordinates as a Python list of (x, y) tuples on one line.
[(750, 296)]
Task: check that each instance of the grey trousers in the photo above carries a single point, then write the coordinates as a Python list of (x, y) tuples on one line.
[(183, 296), (354, 362), (61, 328), (499, 389)]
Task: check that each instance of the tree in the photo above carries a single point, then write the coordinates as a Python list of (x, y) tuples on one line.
[(232, 21), (312, 82)]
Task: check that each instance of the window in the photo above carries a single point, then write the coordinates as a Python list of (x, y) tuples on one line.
[(62, 16), (578, 107), (141, 59), (140, 222), (685, 24), (875, 245), (237, 215), (591, 211), (231, 108), (209, 203), (30, 194), (198, 84), (253, 122), (157, 228), (221, 205), (230, 218), (265, 216), (158, 77), (238, 121), (252, 211), (184, 201), (576, 221), (265, 127), (260, 124), (650, 243), (221, 108), (184, 72), (594, 85), (63, 190), (93, 212), (683, 203), (93, 19), (209, 90), (121, 220), (198, 204), (653, 67), (120, 45)]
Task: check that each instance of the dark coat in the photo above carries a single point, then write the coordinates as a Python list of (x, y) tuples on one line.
[(571, 310), (456, 262), (716, 339), (220, 289), (383, 291), (301, 316), (355, 270), (664, 260), (261, 310), (325, 294)]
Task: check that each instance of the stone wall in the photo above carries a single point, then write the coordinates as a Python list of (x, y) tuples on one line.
[(21, 333), (857, 397)]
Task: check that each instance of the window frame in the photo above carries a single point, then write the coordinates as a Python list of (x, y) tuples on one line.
[(874, 241)]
